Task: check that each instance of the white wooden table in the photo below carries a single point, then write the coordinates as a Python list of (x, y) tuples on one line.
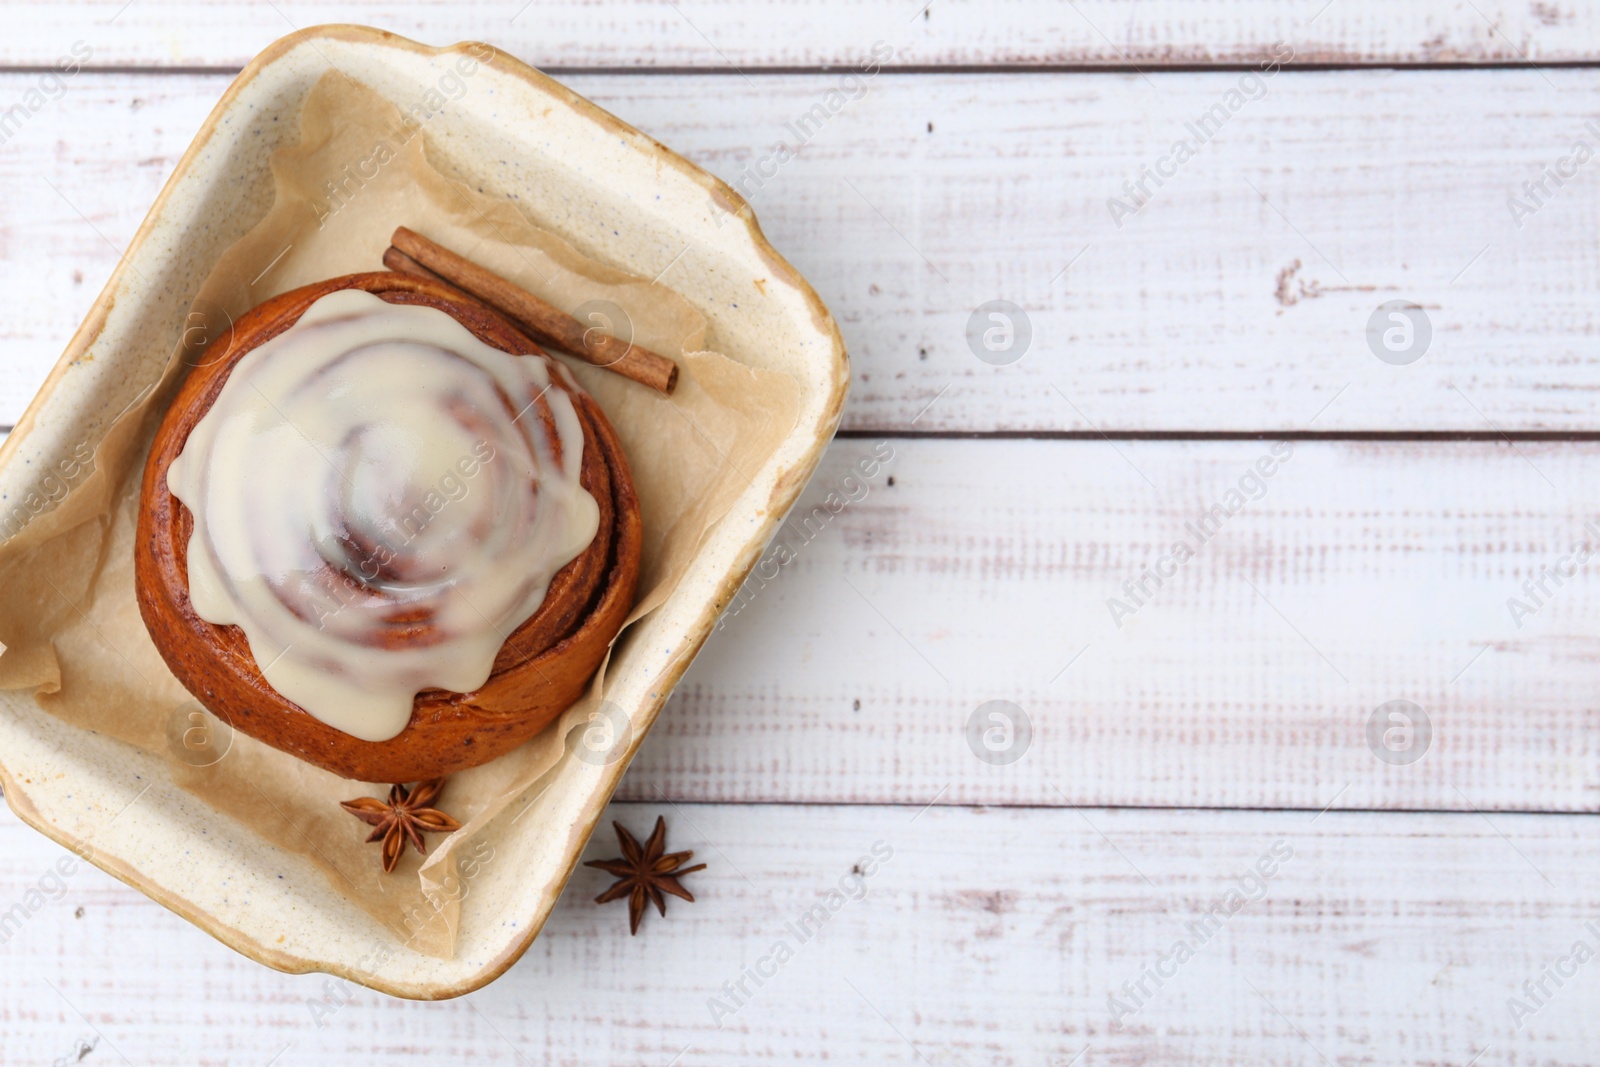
[(1418, 910)]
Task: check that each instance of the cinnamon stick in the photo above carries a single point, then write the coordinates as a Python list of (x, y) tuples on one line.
[(549, 325), (401, 263)]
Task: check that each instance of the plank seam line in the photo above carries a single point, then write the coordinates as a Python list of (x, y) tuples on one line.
[(1558, 436), (1154, 67), (919, 806), (1332, 436), (1473, 813)]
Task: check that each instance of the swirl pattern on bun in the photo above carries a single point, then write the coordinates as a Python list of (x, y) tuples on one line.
[(382, 531)]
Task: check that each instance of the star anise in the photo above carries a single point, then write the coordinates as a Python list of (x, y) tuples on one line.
[(406, 817), (645, 873)]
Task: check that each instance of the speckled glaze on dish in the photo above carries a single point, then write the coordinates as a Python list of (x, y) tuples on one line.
[(620, 197)]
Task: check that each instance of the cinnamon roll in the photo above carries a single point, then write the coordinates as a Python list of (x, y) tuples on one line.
[(382, 531)]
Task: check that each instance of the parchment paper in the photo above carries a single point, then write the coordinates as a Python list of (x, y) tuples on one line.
[(68, 616)]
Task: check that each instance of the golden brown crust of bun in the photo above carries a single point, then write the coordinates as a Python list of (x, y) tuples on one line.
[(543, 668)]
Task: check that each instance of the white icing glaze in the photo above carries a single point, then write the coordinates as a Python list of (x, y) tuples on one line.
[(370, 464)]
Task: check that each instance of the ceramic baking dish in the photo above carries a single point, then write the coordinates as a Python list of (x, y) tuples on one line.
[(620, 197)]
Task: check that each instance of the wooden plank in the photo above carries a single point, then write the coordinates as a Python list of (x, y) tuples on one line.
[(748, 34), (1364, 573), (987, 936), (1209, 309)]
